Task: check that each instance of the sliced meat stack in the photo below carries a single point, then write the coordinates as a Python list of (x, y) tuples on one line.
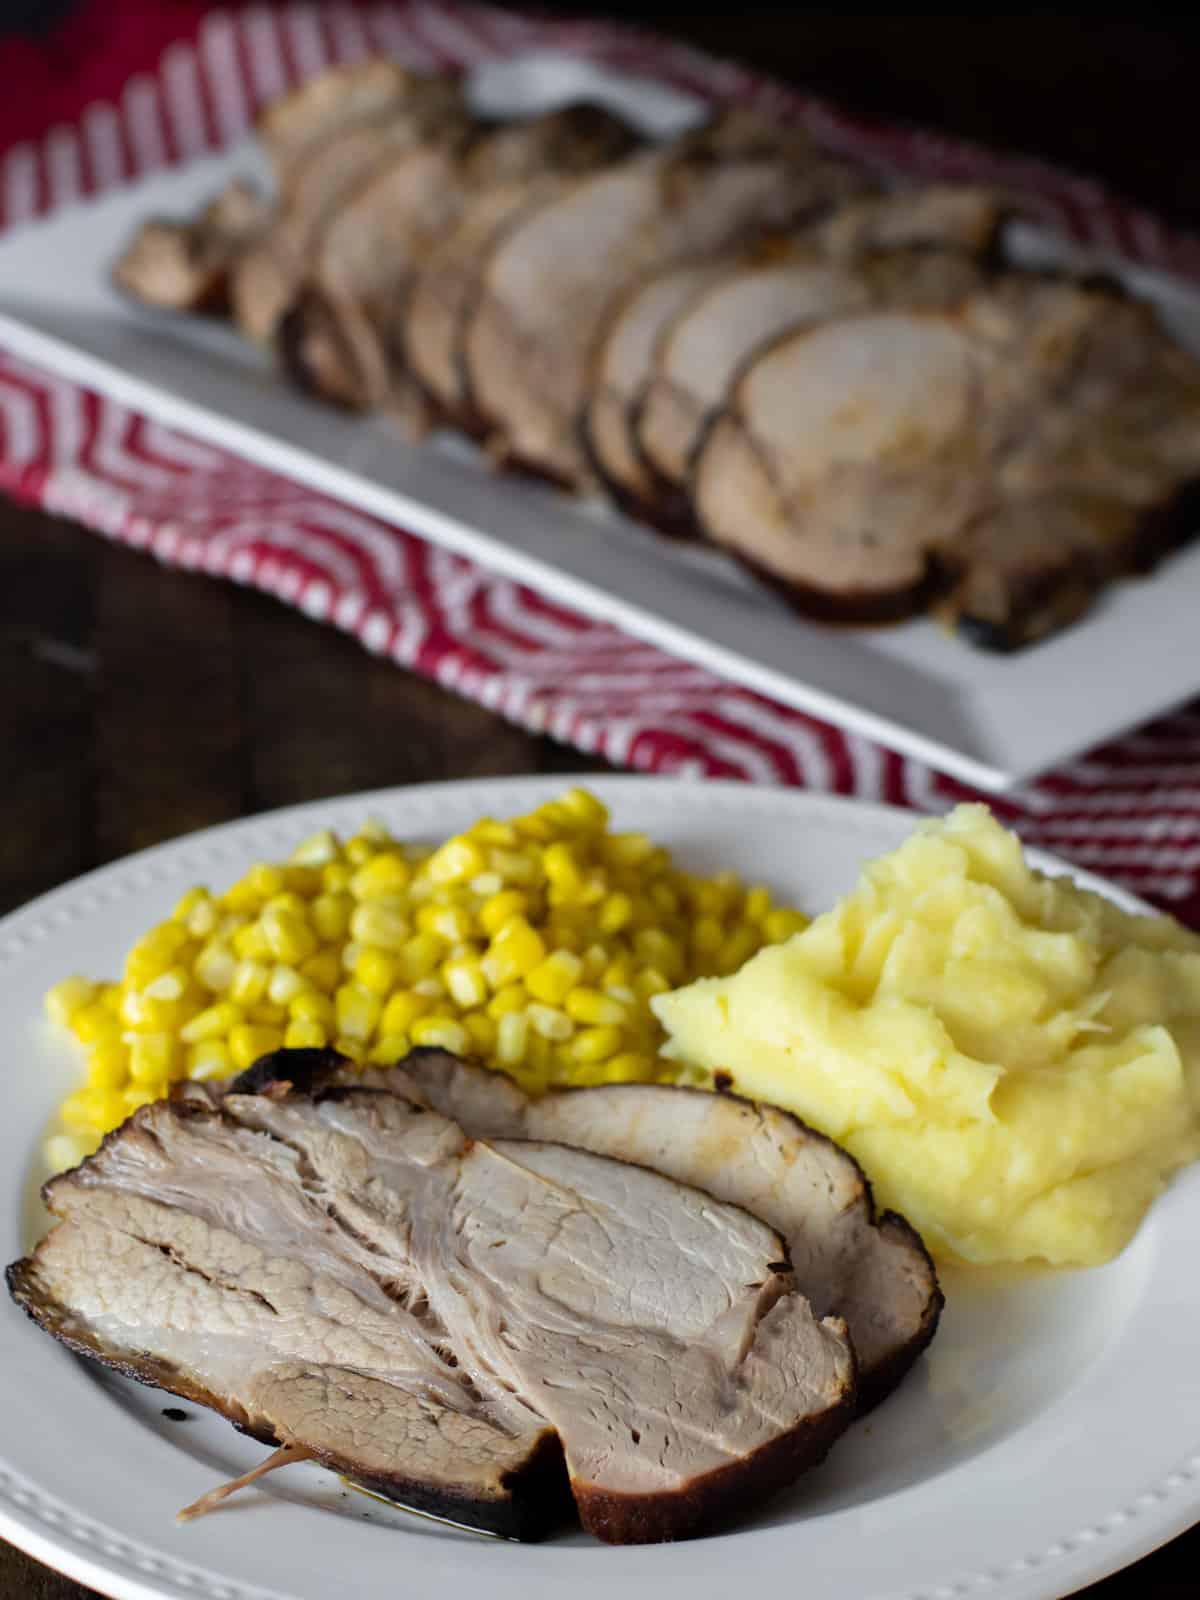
[(1013, 454), (551, 279), (734, 335), (482, 1328)]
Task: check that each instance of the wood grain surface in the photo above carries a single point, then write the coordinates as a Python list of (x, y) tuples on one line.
[(139, 703)]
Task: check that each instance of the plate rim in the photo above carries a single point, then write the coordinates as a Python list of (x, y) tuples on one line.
[(32, 1519)]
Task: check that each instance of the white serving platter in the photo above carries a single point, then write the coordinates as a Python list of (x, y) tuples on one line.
[(991, 721), (1050, 1435)]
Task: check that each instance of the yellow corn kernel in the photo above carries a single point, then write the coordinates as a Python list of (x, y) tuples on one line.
[(360, 849), (650, 982), (67, 998), (95, 1024), (353, 1049), (330, 915), (268, 1015), (312, 1006), (97, 1110), (782, 924), (65, 1151), (323, 971), (456, 861), (109, 996), (284, 984), (108, 1066), (501, 908), (512, 1036), (490, 831), (550, 1023), (249, 984), (289, 936), (148, 1016), (383, 876), (432, 986), (615, 913), (214, 966), (554, 978), (562, 869), (265, 879), (152, 1059), (74, 1112), (584, 807), (209, 1059), (212, 1023), (420, 956), (350, 954), (402, 1010), (465, 983), (154, 953), (250, 943), (507, 1000), (357, 1011), (375, 970), (516, 866), (629, 1067), (590, 1006), (335, 877), (375, 922), (317, 850), (627, 849), (757, 905), (481, 1031), (169, 985), (657, 949), (618, 974), (737, 949), (595, 1044), (301, 1035), (247, 1042), (392, 1047), (443, 1032), (534, 826), (514, 952), (707, 936), (486, 884)]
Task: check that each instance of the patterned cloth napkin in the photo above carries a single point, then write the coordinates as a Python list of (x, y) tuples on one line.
[(1130, 810)]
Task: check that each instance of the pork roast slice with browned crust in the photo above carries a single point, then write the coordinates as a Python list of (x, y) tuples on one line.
[(789, 284), (267, 277), (345, 1272), (621, 368), (185, 266), (367, 257), (293, 125), (204, 1258), (960, 217), (874, 1273), (550, 281)]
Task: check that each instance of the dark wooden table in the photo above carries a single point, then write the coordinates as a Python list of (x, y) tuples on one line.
[(140, 703)]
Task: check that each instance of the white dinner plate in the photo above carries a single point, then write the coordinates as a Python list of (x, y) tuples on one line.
[(1050, 1435), (989, 720)]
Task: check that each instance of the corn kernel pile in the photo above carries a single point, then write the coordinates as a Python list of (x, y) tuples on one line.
[(534, 945)]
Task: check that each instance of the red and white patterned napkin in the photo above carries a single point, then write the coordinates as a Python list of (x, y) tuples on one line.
[(1130, 810)]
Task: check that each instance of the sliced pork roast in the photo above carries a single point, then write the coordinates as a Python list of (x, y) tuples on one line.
[(447, 1319), (340, 339), (292, 126), (550, 281), (322, 176), (875, 1273), (911, 250), (868, 463), (185, 266)]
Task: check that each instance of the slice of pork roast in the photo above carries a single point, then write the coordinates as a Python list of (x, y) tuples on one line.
[(869, 462), (345, 1272), (340, 338), (321, 177), (550, 281), (185, 266), (873, 1272)]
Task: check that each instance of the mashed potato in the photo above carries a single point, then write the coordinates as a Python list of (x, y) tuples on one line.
[(1014, 1061)]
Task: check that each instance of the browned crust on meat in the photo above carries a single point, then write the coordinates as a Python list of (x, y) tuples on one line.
[(527, 1504), (849, 606), (877, 1382), (713, 1499)]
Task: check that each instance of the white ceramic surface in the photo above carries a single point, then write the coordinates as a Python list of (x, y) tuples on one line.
[(1051, 1435), (989, 720)]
